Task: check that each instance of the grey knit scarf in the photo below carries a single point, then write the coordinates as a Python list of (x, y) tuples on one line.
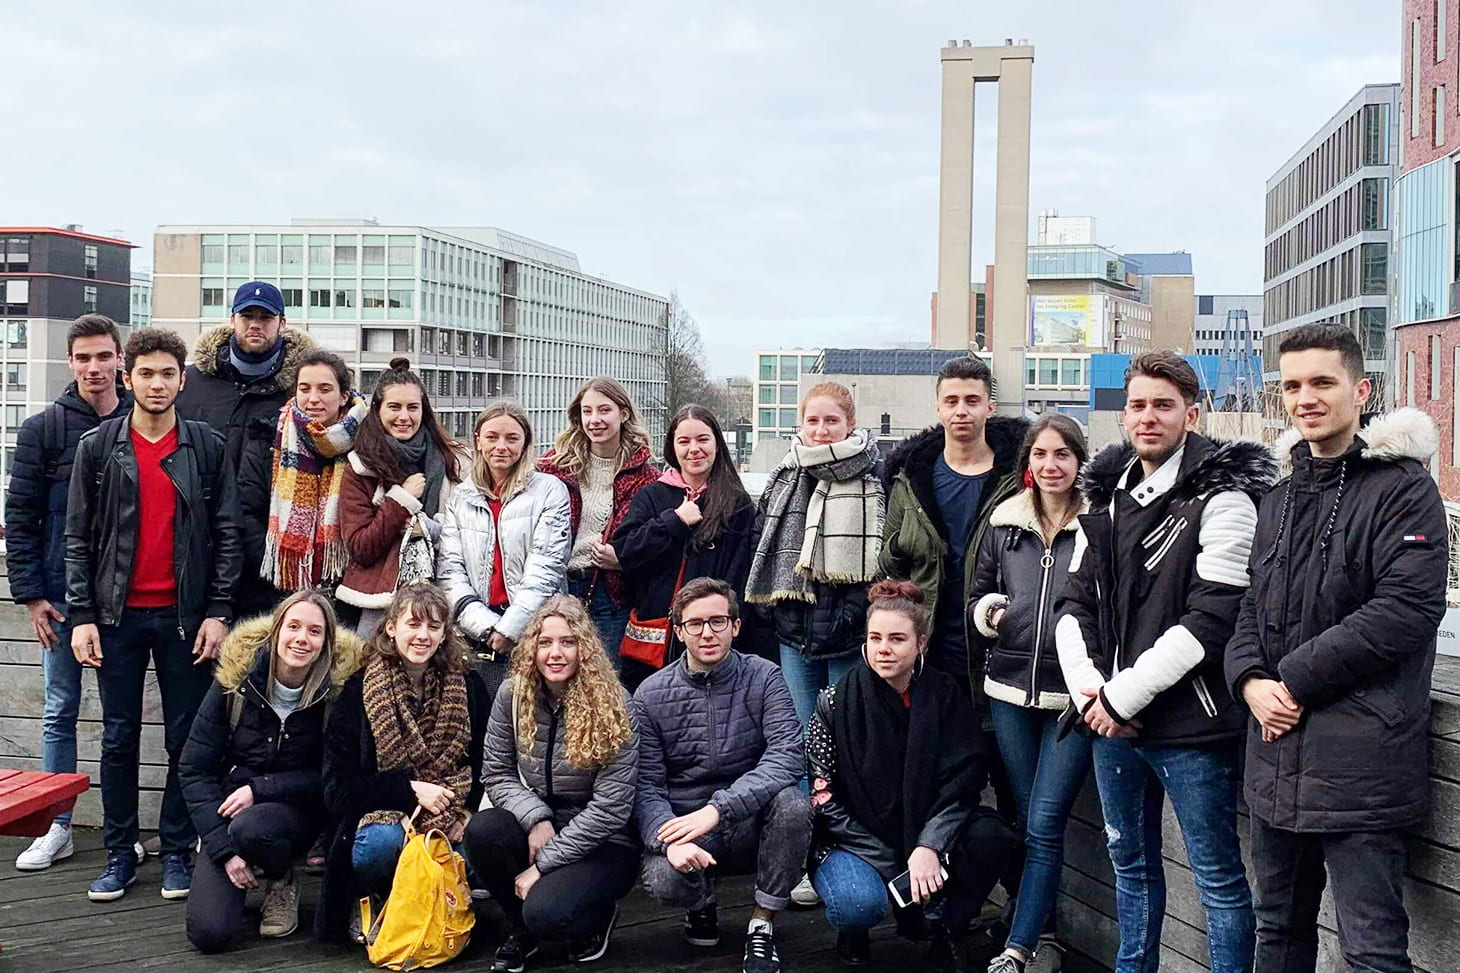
[(823, 511)]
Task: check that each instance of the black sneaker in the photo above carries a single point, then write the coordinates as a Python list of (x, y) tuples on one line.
[(515, 951), (702, 926), (592, 948), (760, 953), (854, 947), (121, 872)]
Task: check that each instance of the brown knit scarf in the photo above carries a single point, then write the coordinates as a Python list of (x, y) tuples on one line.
[(428, 736)]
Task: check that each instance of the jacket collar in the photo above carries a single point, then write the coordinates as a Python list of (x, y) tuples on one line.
[(725, 672), (296, 344), (915, 457), (70, 398), (1018, 511), (124, 430), (242, 654), (1406, 433), (1206, 467)]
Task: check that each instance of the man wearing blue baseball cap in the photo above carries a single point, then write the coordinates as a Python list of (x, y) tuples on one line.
[(241, 375)]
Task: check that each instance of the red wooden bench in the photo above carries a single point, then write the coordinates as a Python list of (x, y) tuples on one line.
[(31, 799)]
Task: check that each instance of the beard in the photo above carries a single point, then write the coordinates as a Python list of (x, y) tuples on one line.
[(153, 410)]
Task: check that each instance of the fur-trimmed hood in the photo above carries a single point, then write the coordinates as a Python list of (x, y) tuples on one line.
[(1208, 466), (1405, 433), (296, 345), (916, 456), (1018, 511), (241, 651)]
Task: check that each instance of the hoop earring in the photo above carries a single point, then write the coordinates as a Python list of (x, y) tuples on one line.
[(865, 661), (920, 665)]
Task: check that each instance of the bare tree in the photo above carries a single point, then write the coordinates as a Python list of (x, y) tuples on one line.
[(686, 379)]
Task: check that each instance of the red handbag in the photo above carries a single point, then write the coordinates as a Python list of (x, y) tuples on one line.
[(646, 640)]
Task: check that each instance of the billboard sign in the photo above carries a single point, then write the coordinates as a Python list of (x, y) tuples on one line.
[(1067, 319)]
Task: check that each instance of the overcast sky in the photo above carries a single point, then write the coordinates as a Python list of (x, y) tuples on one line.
[(775, 162)]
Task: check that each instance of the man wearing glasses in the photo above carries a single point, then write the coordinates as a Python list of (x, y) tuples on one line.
[(720, 761)]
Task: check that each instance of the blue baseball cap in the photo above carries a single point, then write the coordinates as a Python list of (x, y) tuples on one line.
[(258, 293)]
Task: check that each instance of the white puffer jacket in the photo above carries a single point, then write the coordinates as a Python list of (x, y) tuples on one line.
[(535, 540)]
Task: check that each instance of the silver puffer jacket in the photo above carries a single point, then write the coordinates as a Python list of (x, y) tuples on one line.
[(535, 542)]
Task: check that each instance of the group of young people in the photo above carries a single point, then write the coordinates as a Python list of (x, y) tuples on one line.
[(588, 671)]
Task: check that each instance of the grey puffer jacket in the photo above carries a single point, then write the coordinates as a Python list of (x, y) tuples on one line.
[(535, 538), (588, 806), (728, 737)]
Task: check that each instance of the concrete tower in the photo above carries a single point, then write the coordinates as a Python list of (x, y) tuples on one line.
[(1011, 67)]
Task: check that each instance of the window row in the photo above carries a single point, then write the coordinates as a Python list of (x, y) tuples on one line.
[(1363, 206), (1362, 140), (1356, 272)]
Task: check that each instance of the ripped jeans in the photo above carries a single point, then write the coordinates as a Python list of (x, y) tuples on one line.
[(1202, 782)]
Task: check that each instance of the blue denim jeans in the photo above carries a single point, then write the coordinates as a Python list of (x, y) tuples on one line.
[(1046, 775), (63, 701), (855, 895), (1202, 783), (608, 619), (374, 856), (808, 677), (126, 648)]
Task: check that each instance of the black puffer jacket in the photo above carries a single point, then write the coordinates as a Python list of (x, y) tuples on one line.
[(35, 506), (354, 785), (1349, 570), (1158, 581), (102, 513), (279, 760), (728, 737), (246, 413), (1015, 570)]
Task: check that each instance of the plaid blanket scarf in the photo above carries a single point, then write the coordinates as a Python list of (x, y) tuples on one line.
[(304, 545), (822, 510)]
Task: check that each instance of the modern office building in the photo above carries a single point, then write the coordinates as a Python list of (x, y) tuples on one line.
[(50, 276), (480, 312), (1328, 231), (141, 300), (1221, 318), (778, 390)]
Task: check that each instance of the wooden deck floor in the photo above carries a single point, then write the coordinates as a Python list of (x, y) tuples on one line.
[(47, 925)]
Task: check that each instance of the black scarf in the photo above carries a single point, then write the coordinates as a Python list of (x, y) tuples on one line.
[(420, 454), (899, 766)]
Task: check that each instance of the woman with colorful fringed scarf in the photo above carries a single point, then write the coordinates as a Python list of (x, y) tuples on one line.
[(315, 433)]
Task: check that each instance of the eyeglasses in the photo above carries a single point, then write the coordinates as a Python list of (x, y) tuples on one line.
[(696, 626)]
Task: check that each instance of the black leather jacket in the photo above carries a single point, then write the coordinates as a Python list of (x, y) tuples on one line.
[(102, 512)]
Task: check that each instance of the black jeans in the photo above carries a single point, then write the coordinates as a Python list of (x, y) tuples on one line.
[(771, 846), (267, 836), (1367, 871), (125, 647), (567, 903)]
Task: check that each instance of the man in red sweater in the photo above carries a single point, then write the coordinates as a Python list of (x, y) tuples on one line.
[(153, 552)]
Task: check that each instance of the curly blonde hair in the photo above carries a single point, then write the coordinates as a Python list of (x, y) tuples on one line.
[(597, 726)]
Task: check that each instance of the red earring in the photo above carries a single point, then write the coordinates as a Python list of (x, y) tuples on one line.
[(1029, 479)]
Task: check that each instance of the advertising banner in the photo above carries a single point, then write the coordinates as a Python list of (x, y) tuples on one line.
[(1073, 320)]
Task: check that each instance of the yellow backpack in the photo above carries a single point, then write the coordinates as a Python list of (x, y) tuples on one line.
[(428, 917)]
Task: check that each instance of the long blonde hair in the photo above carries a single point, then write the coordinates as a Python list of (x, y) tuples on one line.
[(521, 470), (597, 726), (572, 449)]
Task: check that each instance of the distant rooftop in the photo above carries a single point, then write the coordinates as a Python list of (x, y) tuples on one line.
[(1176, 264), (885, 361)]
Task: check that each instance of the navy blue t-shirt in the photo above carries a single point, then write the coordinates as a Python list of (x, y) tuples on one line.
[(958, 499)]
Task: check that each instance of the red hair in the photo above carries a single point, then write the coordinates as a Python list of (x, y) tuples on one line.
[(902, 597)]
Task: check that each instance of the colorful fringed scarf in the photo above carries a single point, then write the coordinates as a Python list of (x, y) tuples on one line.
[(304, 546)]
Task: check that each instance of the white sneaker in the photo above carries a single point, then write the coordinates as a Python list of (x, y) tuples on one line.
[(48, 849), (804, 894)]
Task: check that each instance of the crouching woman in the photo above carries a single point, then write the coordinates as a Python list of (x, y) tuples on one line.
[(896, 768), (558, 847), (250, 772), (406, 732)]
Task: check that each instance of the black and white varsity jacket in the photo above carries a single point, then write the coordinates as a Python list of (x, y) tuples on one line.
[(1155, 585)]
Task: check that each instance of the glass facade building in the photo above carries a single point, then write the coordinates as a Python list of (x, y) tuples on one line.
[(1328, 231), (479, 312), (1424, 231), (777, 390)]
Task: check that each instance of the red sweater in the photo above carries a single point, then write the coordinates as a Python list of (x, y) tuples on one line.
[(154, 584)]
